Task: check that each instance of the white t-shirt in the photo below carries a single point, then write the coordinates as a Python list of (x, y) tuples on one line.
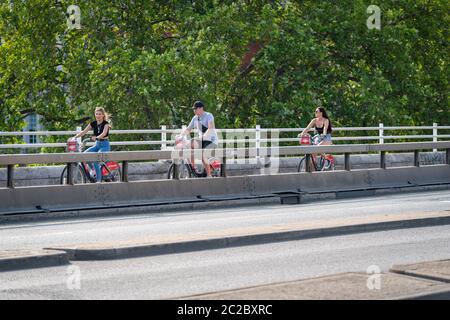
[(201, 124)]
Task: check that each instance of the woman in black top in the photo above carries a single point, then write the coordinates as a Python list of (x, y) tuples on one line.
[(322, 125), (101, 127)]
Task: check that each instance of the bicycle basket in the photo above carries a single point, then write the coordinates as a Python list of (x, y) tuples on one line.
[(72, 146), (305, 139), (181, 142)]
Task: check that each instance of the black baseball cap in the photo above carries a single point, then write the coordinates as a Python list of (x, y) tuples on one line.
[(197, 104)]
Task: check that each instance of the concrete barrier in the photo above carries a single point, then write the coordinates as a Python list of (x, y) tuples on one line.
[(50, 175), (101, 195)]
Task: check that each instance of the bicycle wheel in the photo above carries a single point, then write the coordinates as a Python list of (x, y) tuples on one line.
[(183, 172), (327, 164), (197, 171), (216, 167), (215, 172), (79, 176), (113, 176), (302, 165)]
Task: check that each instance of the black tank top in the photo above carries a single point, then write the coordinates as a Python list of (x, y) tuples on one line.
[(98, 128), (320, 130)]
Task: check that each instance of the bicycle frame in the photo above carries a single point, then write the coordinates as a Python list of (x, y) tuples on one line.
[(323, 157), (194, 173), (214, 163), (108, 170)]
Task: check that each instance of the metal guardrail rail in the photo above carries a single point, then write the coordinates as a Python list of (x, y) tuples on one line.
[(10, 161), (256, 136)]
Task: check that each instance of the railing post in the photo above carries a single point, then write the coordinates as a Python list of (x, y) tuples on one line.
[(257, 141), (308, 163), (381, 133), (10, 176), (176, 169), (347, 163), (124, 171), (70, 173), (163, 137), (247, 147), (435, 134), (416, 158), (223, 167), (383, 159)]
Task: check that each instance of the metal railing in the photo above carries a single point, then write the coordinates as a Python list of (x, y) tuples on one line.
[(257, 136), (10, 161)]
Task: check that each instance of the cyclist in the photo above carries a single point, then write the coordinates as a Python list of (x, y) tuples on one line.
[(101, 127), (322, 125), (207, 136)]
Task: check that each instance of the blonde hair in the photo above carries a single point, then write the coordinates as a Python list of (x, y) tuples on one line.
[(106, 116)]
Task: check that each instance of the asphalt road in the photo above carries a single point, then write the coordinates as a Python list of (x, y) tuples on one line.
[(37, 235), (180, 275), (185, 274)]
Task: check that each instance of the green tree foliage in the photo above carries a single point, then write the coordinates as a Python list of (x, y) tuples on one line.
[(265, 62)]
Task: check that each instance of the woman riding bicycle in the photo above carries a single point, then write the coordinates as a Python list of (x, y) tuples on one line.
[(322, 124), (101, 127)]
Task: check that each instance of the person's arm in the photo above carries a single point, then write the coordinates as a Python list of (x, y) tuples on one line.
[(310, 125), (211, 128), (325, 127), (104, 133), (82, 133), (187, 131)]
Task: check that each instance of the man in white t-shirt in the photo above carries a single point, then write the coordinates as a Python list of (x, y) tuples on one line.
[(207, 136)]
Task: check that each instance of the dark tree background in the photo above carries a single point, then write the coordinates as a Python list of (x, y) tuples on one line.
[(252, 62)]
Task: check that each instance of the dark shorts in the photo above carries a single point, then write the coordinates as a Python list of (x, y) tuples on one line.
[(206, 143)]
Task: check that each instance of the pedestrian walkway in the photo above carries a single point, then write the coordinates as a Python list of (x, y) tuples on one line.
[(353, 286)]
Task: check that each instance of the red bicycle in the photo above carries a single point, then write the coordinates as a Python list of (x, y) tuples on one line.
[(326, 161), (85, 172), (188, 170)]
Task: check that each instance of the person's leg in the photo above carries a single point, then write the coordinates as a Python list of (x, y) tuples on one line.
[(207, 167), (103, 147), (194, 145), (207, 147), (325, 142), (94, 148), (313, 161)]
